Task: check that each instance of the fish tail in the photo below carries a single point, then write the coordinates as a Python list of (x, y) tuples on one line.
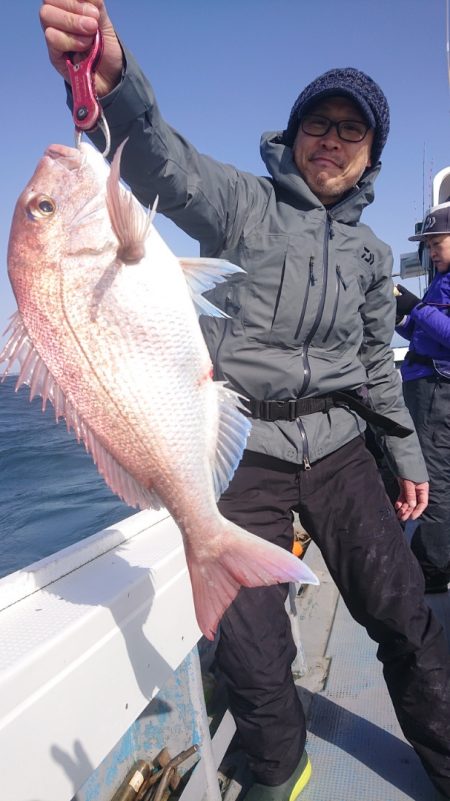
[(245, 560)]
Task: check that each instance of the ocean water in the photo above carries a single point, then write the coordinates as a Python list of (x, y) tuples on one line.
[(51, 494)]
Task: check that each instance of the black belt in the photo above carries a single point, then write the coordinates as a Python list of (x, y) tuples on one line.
[(272, 410), (419, 358), (440, 372), (288, 409)]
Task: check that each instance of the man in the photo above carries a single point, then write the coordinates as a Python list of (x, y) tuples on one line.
[(312, 315), (426, 387)]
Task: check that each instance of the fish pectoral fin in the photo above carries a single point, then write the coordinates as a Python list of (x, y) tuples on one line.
[(130, 223), (35, 374), (203, 274), (233, 433), (245, 560)]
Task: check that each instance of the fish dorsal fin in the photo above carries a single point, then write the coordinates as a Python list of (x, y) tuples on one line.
[(202, 275), (131, 224), (35, 374), (234, 429)]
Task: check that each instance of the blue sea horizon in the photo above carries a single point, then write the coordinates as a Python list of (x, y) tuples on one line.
[(51, 494)]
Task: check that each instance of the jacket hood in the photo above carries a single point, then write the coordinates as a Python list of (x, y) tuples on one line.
[(280, 164)]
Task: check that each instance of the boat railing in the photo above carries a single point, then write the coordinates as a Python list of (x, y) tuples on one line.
[(89, 636)]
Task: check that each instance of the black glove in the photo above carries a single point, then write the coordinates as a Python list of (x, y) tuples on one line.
[(406, 302)]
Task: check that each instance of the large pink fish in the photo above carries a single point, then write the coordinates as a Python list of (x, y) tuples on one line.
[(107, 330)]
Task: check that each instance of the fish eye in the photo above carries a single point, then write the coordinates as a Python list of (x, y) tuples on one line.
[(41, 207)]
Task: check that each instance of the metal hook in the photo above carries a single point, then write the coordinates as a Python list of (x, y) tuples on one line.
[(104, 127)]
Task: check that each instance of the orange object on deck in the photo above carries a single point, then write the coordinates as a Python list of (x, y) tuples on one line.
[(297, 548)]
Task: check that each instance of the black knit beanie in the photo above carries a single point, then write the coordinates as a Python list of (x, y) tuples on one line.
[(347, 82)]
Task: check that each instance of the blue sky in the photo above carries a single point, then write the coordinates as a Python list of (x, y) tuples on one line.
[(224, 72)]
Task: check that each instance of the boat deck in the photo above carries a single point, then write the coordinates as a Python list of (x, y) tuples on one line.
[(354, 741), (356, 747)]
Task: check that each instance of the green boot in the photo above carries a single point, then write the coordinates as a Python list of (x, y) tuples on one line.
[(289, 790)]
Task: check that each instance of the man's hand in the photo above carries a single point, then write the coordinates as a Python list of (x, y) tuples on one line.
[(406, 302), (412, 501), (70, 26)]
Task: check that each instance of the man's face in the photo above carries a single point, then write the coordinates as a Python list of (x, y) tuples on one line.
[(439, 247), (329, 165)]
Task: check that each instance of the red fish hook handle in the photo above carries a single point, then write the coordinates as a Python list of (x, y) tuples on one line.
[(86, 107)]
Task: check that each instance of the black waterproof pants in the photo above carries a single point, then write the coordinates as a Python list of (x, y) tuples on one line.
[(428, 400), (343, 505)]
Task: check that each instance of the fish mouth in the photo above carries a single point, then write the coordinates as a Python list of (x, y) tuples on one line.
[(68, 157)]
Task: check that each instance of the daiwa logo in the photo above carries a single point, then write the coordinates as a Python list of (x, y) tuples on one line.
[(430, 222), (368, 256)]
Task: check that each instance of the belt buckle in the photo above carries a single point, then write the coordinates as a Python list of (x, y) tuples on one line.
[(292, 409)]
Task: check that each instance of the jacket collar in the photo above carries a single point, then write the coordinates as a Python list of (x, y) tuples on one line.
[(279, 162)]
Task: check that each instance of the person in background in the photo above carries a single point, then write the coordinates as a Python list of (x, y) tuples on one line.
[(312, 315), (426, 388)]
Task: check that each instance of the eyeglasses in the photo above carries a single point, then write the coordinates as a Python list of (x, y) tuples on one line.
[(347, 130)]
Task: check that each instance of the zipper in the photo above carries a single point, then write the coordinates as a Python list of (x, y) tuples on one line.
[(218, 375), (311, 282), (235, 308), (339, 281), (329, 234)]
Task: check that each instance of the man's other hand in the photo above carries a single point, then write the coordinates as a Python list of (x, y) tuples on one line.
[(412, 501)]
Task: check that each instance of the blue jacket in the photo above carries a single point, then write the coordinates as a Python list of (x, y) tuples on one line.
[(428, 328)]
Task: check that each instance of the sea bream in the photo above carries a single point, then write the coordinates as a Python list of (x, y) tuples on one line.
[(107, 330)]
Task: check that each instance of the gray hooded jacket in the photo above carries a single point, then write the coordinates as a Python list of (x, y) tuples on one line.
[(314, 311)]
